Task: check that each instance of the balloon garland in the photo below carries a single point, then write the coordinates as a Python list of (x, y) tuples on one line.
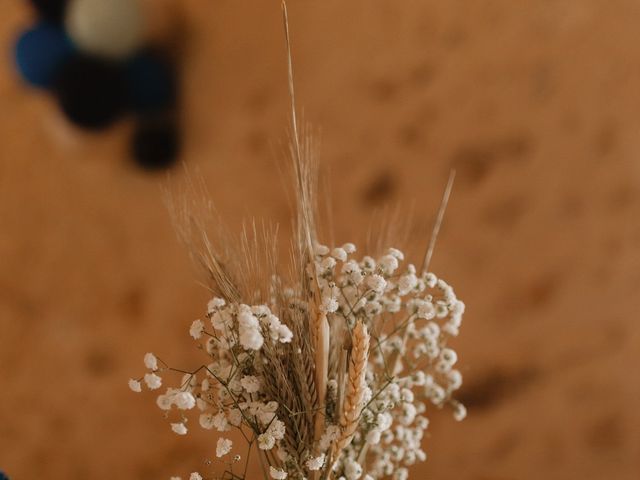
[(92, 57)]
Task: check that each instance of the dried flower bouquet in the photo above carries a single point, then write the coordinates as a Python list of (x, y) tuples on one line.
[(327, 366)]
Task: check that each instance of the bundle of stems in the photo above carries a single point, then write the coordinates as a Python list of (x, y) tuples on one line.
[(325, 364)]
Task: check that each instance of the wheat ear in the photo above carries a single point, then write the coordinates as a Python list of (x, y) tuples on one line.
[(353, 401)]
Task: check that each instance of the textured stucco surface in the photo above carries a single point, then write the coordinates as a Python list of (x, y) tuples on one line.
[(534, 102)]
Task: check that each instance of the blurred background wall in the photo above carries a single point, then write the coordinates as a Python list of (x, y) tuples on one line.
[(535, 103)]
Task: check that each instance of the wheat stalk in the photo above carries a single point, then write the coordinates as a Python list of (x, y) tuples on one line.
[(352, 407)]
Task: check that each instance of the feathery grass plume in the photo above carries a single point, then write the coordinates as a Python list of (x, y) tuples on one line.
[(325, 364)]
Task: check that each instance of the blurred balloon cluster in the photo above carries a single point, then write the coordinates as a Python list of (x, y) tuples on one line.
[(93, 57)]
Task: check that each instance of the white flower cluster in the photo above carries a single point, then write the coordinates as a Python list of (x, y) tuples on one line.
[(227, 392), (411, 318)]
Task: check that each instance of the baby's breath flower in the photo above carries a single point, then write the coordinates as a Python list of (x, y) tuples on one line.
[(164, 402), (179, 428), (150, 361), (328, 437), (135, 386), (266, 441), (376, 282), (197, 327), (349, 248), (214, 304), (339, 254), (352, 470), (223, 447), (220, 422), (407, 283), (195, 476), (276, 429), (388, 264), (234, 416), (315, 463), (459, 412), (277, 474), (449, 356), (396, 253), (206, 421), (250, 383), (153, 381), (251, 338), (321, 250), (329, 304), (184, 400)]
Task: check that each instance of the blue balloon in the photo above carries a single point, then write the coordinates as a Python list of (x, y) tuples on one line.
[(40, 51), (3, 476), (151, 82)]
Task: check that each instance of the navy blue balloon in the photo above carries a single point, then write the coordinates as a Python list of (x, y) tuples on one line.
[(151, 83), (3, 476), (39, 53)]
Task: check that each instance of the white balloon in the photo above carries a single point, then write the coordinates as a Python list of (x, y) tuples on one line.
[(108, 28)]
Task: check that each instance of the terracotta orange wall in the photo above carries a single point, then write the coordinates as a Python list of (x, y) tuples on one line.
[(534, 103)]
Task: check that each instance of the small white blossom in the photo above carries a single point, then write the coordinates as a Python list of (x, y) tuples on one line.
[(339, 254), (277, 474), (195, 476), (276, 429), (407, 283), (223, 447), (389, 264), (459, 412), (150, 361), (376, 283), (153, 381), (234, 416), (184, 400), (285, 334), (266, 441), (349, 248), (220, 422), (329, 304), (135, 386), (206, 421), (250, 383), (315, 463), (373, 436), (328, 437), (251, 338), (214, 304), (327, 263), (321, 250), (352, 470), (164, 402), (449, 356), (197, 327), (179, 428)]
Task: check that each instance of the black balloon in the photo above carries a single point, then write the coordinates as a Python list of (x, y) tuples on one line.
[(53, 10), (92, 92), (156, 142)]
